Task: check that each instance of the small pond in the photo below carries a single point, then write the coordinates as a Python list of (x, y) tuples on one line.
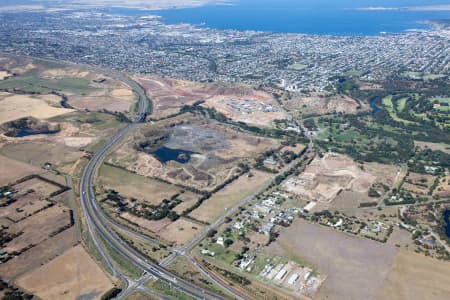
[(28, 132), (374, 106), (447, 222), (165, 154)]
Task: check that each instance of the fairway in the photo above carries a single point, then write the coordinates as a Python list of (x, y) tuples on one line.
[(401, 104), (33, 84), (433, 76), (389, 105)]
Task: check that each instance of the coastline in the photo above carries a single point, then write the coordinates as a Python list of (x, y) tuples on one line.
[(407, 8), (101, 4)]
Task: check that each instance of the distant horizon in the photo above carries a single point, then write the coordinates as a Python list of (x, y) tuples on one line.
[(286, 16)]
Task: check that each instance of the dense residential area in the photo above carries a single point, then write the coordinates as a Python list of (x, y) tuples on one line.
[(145, 45)]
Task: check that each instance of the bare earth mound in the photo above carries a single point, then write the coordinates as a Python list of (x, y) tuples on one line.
[(322, 104), (326, 177), (215, 150), (73, 275), (238, 102), (433, 146)]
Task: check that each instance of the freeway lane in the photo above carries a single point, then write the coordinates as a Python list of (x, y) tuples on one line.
[(92, 223), (97, 224), (100, 221)]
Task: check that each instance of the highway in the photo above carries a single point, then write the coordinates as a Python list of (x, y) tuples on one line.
[(97, 223), (100, 225)]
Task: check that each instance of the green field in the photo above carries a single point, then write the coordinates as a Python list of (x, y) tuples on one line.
[(412, 74), (297, 67), (401, 104), (34, 84), (389, 105), (222, 254), (263, 259), (185, 269), (122, 263), (353, 73), (100, 121), (444, 108), (141, 296), (168, 291), (132, 185), (419, 75), (433, 76)]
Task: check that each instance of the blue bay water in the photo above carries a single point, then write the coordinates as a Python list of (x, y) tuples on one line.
[(336, 17)]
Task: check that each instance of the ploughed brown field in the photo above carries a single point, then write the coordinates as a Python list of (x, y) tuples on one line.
[(73, 275)]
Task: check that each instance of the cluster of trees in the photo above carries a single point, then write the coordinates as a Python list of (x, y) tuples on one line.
[(116, 198), (294, 170), (9, 198), (144, 210), (120, 116), (346, 85), (241, 280), (368, 204), (29, 126), (240, 255), (11, 292), (5, 238), (373, 192), (443, 226), (159, 212), (406, 198), (111, 294), (310, 124)]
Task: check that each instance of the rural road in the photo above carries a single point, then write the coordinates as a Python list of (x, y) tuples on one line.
[(97, 223), (100, 224)]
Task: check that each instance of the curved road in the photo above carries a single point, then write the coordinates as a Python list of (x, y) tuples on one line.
[(97, 223)]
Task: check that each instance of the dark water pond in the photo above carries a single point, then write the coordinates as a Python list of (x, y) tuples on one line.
[(374, 106), (447, 222), (165, 154), (27, 132)]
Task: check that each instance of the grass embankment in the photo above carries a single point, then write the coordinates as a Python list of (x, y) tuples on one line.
[(122, 263), (167, 290), (34, 84), (185, 269)]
